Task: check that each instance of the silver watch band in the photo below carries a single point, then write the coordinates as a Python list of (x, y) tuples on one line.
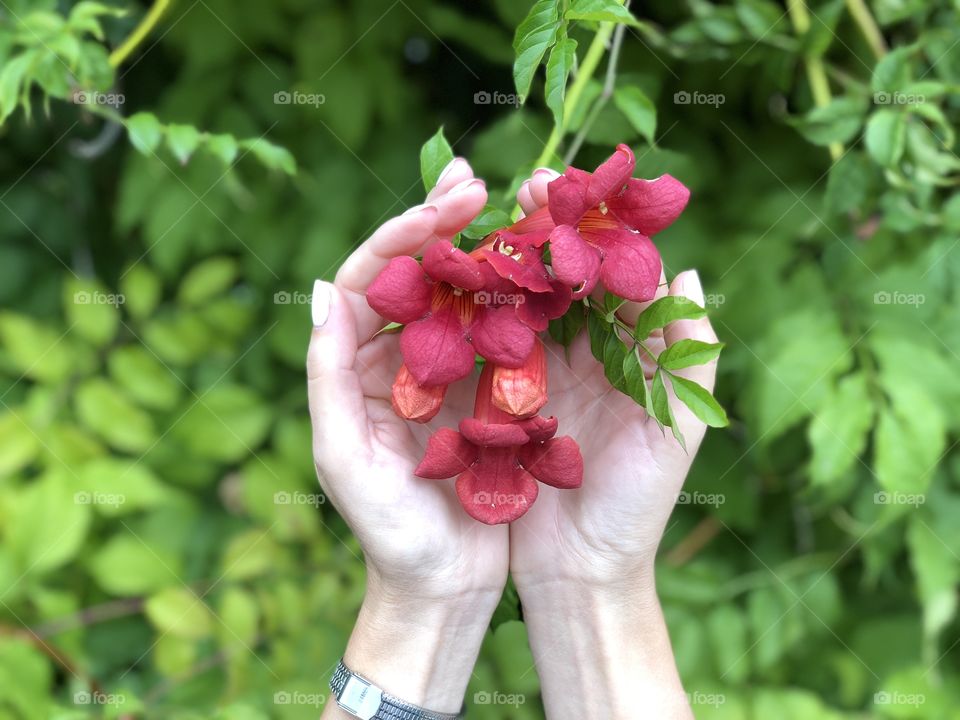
[(362, 699)]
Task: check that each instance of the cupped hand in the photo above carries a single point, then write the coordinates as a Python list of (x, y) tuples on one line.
[(417, 539), (606, 533)]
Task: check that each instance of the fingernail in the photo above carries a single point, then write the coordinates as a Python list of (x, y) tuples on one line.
[(320, 306), (546, 171), (447, 169), (466, 185), (420, 208), (692, 287)]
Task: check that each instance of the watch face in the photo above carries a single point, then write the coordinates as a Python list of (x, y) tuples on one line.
[(360, 698)]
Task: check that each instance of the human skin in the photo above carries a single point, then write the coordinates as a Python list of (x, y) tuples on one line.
[(582, 560)]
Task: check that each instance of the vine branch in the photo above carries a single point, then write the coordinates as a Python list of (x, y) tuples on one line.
[(139, 33)]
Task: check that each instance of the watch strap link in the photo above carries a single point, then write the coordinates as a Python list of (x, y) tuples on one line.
[(391, 708)]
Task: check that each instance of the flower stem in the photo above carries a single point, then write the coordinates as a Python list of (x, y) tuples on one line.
[(816, 73), (868, 26), (139, 33)]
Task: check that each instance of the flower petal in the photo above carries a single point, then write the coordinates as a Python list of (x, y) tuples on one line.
[(567, 196), (556, 462), (538, 309), (492, 434), (443, 261), (499, 336), (649, 206), (401, 292), (539, 428), (412, 401), (519, 259), (435, 349), (496, 489), (521, 392), (540, 220), (631, 265), (574, 261), (448, 453)]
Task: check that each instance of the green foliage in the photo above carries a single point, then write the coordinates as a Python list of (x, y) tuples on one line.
[(153, 427)]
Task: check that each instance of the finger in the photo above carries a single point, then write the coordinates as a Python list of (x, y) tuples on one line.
[(456, 171), (337, 411), (532, 195), (630, 311)]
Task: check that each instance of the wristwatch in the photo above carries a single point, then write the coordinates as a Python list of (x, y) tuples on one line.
[(362, 699)]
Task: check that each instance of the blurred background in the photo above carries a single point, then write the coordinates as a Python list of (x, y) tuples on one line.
[(164, 549)]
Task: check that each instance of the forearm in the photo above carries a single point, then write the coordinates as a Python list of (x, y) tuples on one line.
[(602, 654), (421, 651)]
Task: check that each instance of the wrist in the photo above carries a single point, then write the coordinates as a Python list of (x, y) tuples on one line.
[(614, 658), (421, 650)]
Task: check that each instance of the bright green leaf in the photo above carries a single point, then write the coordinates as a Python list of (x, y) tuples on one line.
[(700, 402), (687, 353), (638, 109), (435, 155)]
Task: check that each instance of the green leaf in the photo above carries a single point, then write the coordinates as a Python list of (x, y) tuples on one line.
[(686, 353), (106, 411), (700, 402), (182, 141), (886, 136), (225, 147), (19, 444), (272, 156), (599, 330), (601, 11), (47, 524), (910, 437), (144, 377), (126, 566), (116, 487), (634, 382), (34, 350), (759, 17), (823, 27), (141, 290), (638, 109), (838, 431), (562, 58), (664, 311), (490, 218), (435, 155), (227, 423), (179, 612), (239, 614), (840, 121), (659, 401), (565, 329), (614, 353), (12, 77), (145, 132), (534, 36), (893, 72), (937, 570), (208, 279), (727, 634), (91, 311)]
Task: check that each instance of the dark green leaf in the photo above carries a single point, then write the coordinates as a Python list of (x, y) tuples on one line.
[(614, 352), (490, 218), (700, 402), (599, 330), (534, 36), (562, 57), (635, 384), (601, 11), (837, 122), (886, 136), (686, 353), (145, 132), (638, 109), (660, 401), (564, 329)]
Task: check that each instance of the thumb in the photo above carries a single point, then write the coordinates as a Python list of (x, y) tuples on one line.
[(687, 284), (337, 409)]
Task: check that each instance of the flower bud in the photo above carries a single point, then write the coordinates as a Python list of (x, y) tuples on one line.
[(413, 401), (522, 391)]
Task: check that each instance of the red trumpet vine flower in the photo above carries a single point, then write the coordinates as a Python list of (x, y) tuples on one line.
[(412, 401), (446, 315), (604, 223), (498, 459), (522, 391)]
